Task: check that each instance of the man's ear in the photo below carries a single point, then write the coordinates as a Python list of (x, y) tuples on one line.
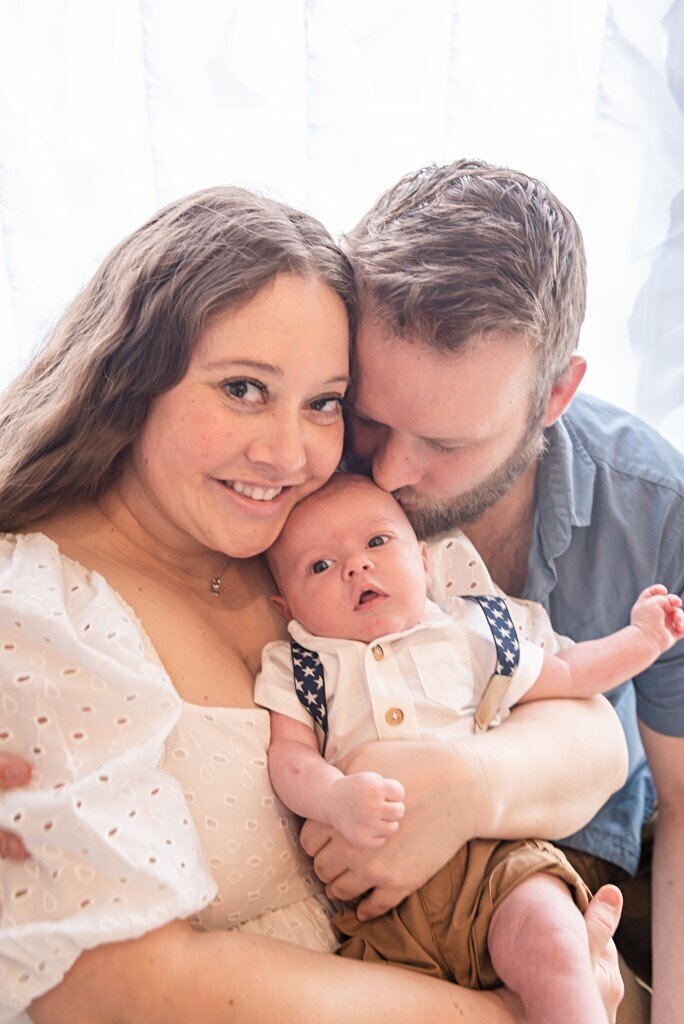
[(426, 561), (564, 389), (281, 604)]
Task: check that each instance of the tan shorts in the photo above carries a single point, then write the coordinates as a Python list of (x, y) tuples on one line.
[(441, 929)]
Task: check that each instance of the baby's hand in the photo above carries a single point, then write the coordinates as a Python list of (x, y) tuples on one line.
[(659, 616), (366, 808)]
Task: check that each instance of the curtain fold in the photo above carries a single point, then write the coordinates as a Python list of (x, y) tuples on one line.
[(109, 110)]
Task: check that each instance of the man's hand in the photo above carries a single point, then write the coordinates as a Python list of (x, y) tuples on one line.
[(601, 920), (366, 808), (14, 772), (659, 616)]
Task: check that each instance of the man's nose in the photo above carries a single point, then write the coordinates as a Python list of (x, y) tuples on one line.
[(395, 463)]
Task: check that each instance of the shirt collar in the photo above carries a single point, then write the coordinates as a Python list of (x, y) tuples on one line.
[(564, 499), (433, 618)]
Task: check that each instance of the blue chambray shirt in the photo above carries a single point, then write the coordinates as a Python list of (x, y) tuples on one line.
[(609, 521)]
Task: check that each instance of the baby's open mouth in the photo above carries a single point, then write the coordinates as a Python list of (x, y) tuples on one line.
[(367, 596)]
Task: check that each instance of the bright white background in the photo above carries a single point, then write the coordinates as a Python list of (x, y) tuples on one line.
[(110, 108)]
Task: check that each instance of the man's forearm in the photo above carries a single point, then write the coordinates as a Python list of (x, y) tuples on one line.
[(668, 915)]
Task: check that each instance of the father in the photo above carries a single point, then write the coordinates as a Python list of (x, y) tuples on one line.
[(473, 285)]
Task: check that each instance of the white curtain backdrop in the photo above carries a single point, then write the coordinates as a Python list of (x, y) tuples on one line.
[(110, 108)]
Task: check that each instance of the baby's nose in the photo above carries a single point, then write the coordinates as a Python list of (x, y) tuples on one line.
[(356, 565)]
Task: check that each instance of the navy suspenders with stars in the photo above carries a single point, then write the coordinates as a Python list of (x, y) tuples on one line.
[(309, 677)]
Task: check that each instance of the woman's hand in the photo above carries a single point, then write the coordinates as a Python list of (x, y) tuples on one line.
[(14, 772)]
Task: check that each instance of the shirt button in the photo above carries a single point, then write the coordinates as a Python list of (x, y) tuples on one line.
[(378, 652), (395, 716)]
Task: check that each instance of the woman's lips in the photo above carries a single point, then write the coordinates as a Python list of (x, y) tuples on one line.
[(254, 506)]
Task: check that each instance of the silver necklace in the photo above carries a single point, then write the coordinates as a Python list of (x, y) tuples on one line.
[(215, 581)]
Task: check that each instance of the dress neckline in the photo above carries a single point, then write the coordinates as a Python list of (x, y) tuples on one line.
[(150, 649)]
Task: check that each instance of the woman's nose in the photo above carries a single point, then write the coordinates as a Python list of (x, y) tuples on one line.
[(279, 444)]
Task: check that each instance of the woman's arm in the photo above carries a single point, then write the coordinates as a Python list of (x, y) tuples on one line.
[(549, 768), (544, 772), (176, 975)]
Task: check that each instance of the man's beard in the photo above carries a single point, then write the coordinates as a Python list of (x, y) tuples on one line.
[(430, 517)]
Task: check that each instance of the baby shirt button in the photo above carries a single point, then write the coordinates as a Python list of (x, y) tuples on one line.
[(378, 652), (395, 716)]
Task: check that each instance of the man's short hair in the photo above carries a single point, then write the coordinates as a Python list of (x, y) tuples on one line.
[(452, 253)]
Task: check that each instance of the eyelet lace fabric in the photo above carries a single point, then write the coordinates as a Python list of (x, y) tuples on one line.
[(457, 570), (142, 808)]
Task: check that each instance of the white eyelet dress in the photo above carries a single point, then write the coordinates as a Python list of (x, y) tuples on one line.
[(142, 808)]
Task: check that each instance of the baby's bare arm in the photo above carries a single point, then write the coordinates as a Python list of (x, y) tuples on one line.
[(596, 666), (364, 807)]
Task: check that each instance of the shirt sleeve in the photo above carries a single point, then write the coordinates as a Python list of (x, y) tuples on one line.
[(274, 688), (660, 689), (113, 851)]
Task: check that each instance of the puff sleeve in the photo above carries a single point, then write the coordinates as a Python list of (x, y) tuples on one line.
[(113, 850)]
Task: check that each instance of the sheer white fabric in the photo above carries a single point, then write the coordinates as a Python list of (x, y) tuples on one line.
[(142, 809), (109, 110)]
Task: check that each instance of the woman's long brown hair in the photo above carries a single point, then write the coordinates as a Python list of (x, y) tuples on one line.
[(127, 337)]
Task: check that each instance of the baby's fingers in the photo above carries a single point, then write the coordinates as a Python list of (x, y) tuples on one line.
[(652, 591), (393, 789), (384, 829), (366, 837), (393, 810), (677, 622)]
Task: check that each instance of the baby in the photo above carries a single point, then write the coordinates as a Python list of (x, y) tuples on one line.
[(371, 658)]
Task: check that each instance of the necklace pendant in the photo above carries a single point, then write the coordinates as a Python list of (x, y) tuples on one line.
[(215, 588)]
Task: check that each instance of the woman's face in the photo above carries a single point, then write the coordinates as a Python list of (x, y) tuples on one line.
[(254, 425)]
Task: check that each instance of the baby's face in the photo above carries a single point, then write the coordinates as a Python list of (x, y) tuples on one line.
[(349, 565)]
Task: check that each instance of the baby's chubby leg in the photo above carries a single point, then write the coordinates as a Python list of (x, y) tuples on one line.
[(538, 944)]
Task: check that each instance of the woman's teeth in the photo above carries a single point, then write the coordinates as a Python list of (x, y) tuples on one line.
[(258, 493)]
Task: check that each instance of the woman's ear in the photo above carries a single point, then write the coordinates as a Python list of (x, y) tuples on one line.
[(564, 390), (281, 604)]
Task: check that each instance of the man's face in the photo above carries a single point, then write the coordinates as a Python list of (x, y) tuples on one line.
[(448, 435)]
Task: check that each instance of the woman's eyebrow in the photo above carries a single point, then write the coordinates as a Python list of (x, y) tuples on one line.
[(269, 368), (249, 364)]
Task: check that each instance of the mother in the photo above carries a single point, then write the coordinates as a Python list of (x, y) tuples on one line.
[(189, 397)]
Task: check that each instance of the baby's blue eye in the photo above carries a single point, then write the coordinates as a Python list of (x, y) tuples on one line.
[(321, 565), (378, 540)]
